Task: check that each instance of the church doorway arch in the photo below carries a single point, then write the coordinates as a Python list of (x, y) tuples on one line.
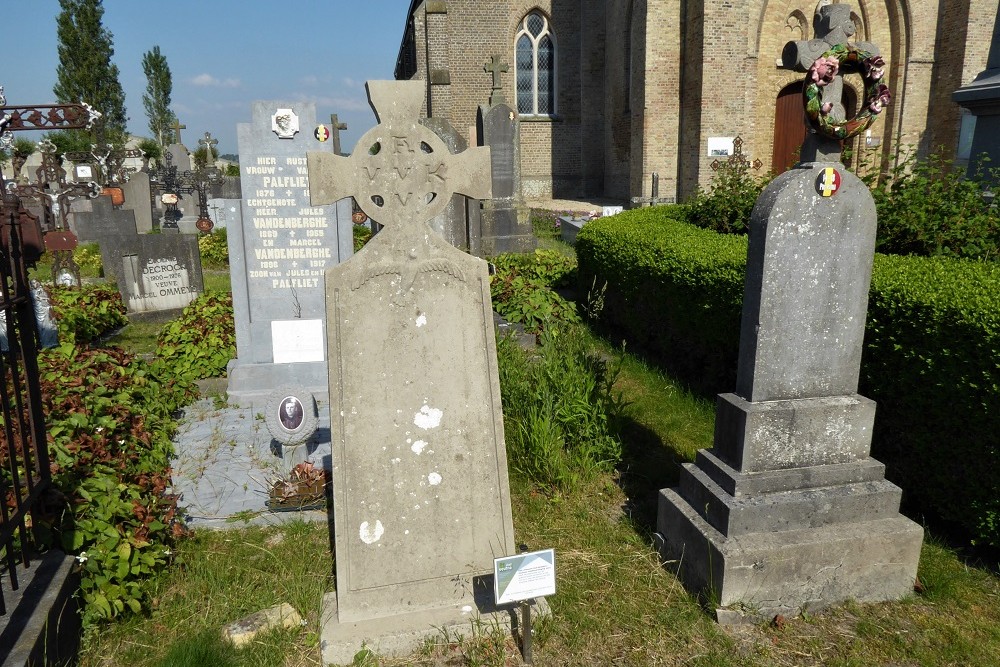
[(789, 127)]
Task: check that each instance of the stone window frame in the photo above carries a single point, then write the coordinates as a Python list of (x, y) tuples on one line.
[(546, 31)]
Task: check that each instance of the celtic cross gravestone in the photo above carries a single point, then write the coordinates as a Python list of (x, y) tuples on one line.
[(420, 492)]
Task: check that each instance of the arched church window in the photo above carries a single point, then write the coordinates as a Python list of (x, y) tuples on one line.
[(535, 66)]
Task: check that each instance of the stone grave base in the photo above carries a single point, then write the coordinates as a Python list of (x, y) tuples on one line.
[(404, 634), (789, 551), (250, 385), (505, 227)]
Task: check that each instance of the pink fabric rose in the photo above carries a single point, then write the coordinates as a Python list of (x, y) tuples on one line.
[(824, 70), (874, 67), (882, 98)]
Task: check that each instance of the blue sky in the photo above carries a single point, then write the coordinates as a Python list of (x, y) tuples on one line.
[(223, 54)]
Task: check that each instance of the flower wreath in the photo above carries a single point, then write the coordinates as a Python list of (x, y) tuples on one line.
[(845, 58)]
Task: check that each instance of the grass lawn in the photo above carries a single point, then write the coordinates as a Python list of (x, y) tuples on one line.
[(615, 604)]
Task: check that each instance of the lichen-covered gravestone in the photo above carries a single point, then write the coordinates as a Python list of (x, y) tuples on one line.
[(788, 512), (420, 491)]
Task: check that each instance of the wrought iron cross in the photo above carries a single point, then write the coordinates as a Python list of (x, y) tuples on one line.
[(171, 186), (737, 161), (108, 161)]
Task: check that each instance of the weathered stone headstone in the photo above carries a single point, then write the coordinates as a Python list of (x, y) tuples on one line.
[(225, 213), (137, 200), (505, 225), (154, 272), (452, 223), (278, 253), (788, 512), (421, 498), (103, 219)]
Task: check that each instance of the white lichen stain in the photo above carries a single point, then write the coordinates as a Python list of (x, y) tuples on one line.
[(371, 534), (428, 417), (406, 532), (417, 506), (421, 321), (418, 447), (434, 479), (395, 461)]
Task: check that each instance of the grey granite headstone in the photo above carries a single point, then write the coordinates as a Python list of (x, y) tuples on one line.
[(103, 220), (420, 489), (154, 272), (452, 223), (225, 213), (505, 225), (137, 200), (279, 249), (788, 512)]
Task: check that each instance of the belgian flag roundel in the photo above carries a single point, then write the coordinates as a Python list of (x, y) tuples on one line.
[(828, 182)]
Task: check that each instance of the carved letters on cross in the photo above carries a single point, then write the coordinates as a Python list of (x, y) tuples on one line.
[(401, 174)]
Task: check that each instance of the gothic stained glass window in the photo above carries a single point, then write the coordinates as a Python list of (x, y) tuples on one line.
[(535, 65)]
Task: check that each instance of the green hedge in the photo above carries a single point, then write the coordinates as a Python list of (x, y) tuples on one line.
[(931, 358), (674, 290)]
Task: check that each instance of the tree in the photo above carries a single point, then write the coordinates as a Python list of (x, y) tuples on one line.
[(85, 72), (200, 157), (156, 100)]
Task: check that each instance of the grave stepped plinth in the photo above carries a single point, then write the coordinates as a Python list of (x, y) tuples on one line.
[(788, 512)]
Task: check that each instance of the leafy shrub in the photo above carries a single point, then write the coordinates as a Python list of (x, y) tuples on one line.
[(88, 257), (84, 314), (214, 249), (362, 234), (109, 428), (523, 289), (932, 362), (200, 343), (928, 207), (727, 204), (930, 358), (559, 410)]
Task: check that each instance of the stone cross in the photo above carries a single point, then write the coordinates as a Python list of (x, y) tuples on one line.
[(419, 465), (403, 175), (177, 127), (208, 143), (832, 25), (335, 127), (495, 66)]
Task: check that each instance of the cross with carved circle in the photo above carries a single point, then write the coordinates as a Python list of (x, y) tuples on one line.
[(401, 171)]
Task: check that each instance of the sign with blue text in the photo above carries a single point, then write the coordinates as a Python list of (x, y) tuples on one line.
[(525, 576)]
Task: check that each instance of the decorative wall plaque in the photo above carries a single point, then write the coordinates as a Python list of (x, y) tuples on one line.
[(285, 123)]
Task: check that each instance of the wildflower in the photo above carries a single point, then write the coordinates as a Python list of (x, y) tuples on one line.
[(826, 108), (82, 558), (824, 70), (99, 429)]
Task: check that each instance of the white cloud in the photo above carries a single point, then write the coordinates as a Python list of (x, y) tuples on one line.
[(351, 83), (207, 80)]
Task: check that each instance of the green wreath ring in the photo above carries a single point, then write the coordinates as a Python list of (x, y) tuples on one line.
[(845, 58)]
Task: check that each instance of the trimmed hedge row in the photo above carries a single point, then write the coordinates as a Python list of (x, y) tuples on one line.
[(931, 358)]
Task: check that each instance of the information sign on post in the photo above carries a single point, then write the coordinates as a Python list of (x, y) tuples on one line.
[(524, 576)]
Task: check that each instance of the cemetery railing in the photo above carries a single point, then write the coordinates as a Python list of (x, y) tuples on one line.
[(24, 462)]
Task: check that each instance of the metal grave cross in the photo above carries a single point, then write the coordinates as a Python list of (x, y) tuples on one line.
[(108, 161), (737, 161), (401, 174)]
